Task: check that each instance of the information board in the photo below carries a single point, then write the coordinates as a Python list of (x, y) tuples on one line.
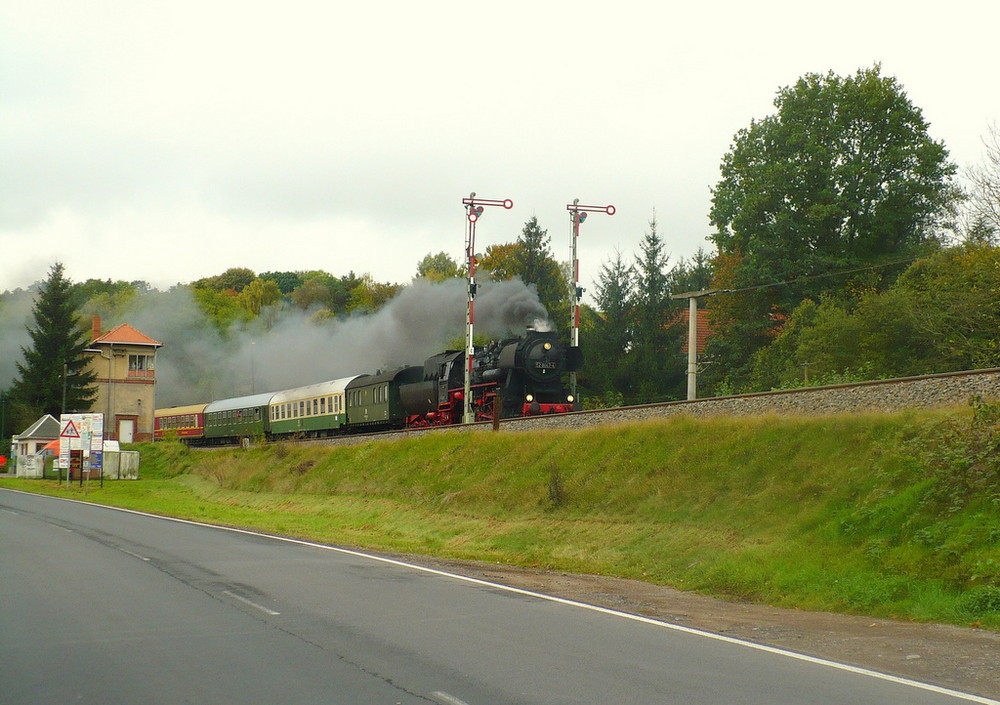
[(83, 432)]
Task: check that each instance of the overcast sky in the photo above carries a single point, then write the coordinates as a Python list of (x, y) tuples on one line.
[(167, 141)]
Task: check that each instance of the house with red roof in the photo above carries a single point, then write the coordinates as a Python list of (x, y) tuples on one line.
[(124, 361), (704, 328)]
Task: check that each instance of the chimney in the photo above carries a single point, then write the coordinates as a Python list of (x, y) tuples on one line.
[(95, 328)]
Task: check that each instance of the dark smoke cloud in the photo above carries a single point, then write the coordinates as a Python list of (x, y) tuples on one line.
[(198, 363)]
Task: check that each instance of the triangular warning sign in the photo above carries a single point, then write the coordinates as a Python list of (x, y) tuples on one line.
[(69, 431)]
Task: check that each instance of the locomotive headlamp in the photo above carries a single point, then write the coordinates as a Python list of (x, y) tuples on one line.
[(530, 398), (547, 346), (570, 398)]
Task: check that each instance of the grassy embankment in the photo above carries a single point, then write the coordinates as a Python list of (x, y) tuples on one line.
[(885, 515)]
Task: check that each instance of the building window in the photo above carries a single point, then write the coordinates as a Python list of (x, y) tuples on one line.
[(141, 365)]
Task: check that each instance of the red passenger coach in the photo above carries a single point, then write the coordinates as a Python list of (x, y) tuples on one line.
[(184, 422)]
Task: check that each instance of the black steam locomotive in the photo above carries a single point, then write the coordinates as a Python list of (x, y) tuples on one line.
[(512, 378)]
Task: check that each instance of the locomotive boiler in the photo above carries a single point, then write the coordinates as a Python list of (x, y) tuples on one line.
[(513, 377)]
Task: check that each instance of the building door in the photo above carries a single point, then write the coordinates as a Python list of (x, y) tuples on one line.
[(126, 430)]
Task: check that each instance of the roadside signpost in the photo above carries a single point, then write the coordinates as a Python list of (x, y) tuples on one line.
[(81, 439)]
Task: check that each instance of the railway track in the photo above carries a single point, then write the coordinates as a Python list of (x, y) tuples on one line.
[(924, 391)]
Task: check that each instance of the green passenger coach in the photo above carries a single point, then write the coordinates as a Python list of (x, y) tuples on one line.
[(233, 420), (311, 411), (373, 400)]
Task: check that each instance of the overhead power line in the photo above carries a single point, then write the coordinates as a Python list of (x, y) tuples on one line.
[(713, 292)]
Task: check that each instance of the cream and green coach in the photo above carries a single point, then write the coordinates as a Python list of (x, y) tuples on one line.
[(311, 411)]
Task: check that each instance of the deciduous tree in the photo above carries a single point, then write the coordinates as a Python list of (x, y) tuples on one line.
[(233, 279), (258, 294), (287, 281), (438, 267), (501, 261), (984, 201), (844, 174)]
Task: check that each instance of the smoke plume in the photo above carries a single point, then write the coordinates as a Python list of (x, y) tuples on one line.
[(198, 363)]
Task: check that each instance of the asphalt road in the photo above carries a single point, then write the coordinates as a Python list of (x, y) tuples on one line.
[(105, 606)]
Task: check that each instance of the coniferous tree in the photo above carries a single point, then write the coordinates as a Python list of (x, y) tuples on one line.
[(609, 342), (694, 274), (54, 364), (655, 353), (536, 265)]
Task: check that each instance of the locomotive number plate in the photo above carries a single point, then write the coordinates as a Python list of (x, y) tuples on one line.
[(544, 365)]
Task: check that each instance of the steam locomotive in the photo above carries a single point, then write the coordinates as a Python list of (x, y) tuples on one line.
[(513, 378)]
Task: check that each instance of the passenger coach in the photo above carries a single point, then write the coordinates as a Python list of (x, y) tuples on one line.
[(313, 410), (185, 422), (373, 400), (235, 420)]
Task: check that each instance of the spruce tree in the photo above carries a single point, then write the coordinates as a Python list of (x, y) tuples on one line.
[(536, 265), (655, 351), (610, 342), (55, 361)]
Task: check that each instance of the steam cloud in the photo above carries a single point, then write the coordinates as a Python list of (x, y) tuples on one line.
[(198, 364), (287, 348)]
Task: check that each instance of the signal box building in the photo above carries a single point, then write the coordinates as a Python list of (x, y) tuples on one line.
[(124, 361)]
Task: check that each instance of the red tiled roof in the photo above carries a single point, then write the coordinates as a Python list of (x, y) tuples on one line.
[(704, 331), (126, 334)]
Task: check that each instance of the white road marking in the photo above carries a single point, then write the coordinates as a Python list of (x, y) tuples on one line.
[(134, 555), (551, 598), (446, 699), (253, 604)]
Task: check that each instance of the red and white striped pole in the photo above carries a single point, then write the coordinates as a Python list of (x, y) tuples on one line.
[(578, 214), (473, 210)]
